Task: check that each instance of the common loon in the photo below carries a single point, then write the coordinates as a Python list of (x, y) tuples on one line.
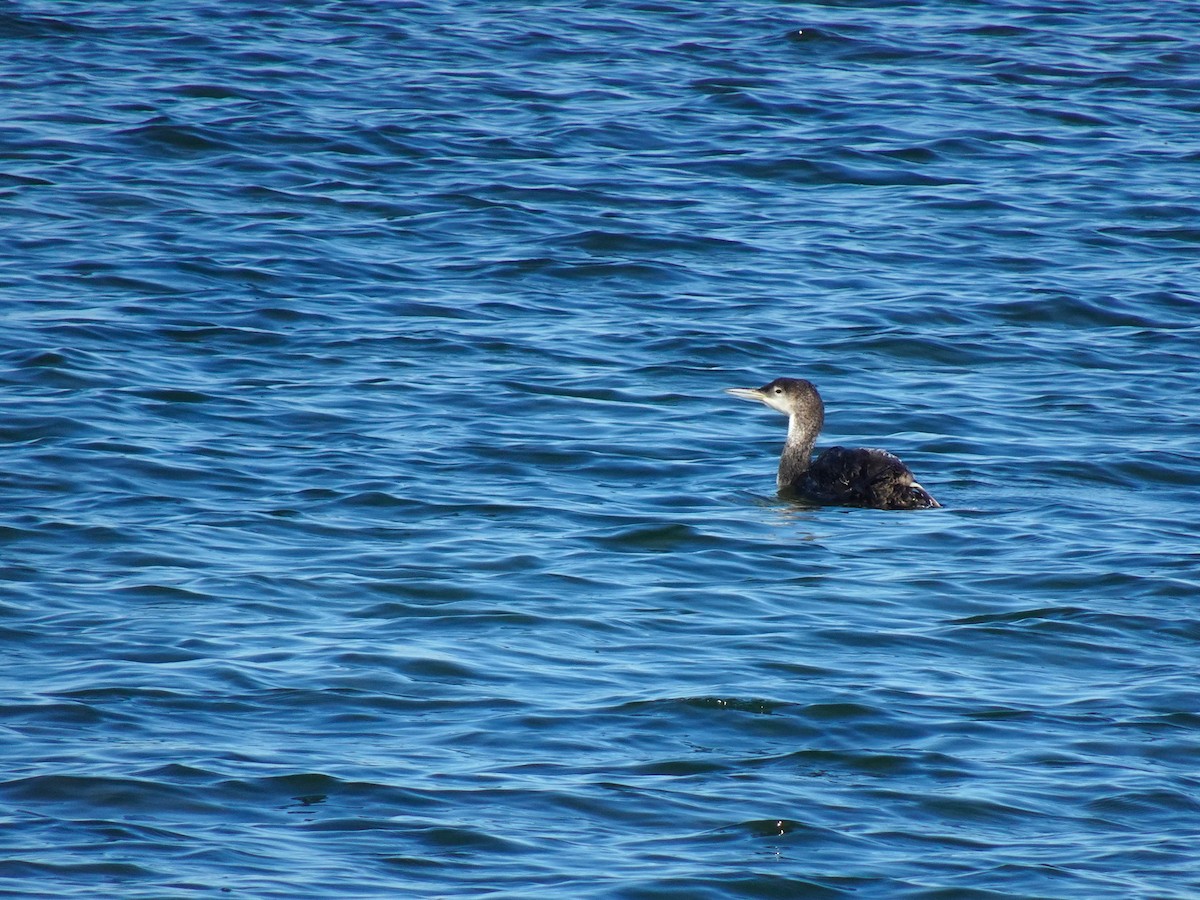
[(839, 476)]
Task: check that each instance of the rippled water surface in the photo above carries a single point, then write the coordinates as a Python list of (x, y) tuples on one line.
[(374, 523)]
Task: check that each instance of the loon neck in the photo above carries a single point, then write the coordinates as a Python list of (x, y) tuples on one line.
[(797, 452)]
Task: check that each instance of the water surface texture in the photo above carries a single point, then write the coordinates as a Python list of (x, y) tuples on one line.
[(374, 524)]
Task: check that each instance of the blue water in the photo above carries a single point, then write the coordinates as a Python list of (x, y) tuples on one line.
[(374, 523)]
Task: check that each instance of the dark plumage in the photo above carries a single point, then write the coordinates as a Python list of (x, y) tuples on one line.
[(839, 476)]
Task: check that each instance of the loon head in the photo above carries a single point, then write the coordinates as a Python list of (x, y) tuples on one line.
[(791, 396)]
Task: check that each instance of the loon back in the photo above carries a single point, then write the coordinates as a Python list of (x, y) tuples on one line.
[(844, 476)]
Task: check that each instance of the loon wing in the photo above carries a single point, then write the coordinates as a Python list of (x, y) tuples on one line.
[(863, 477)]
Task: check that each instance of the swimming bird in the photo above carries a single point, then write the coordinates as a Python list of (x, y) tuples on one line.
[(839, 476)]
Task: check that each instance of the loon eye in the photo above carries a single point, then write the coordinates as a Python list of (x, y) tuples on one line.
[(779, 390)]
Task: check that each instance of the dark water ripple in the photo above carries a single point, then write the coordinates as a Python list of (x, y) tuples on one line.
[(373, 523)]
